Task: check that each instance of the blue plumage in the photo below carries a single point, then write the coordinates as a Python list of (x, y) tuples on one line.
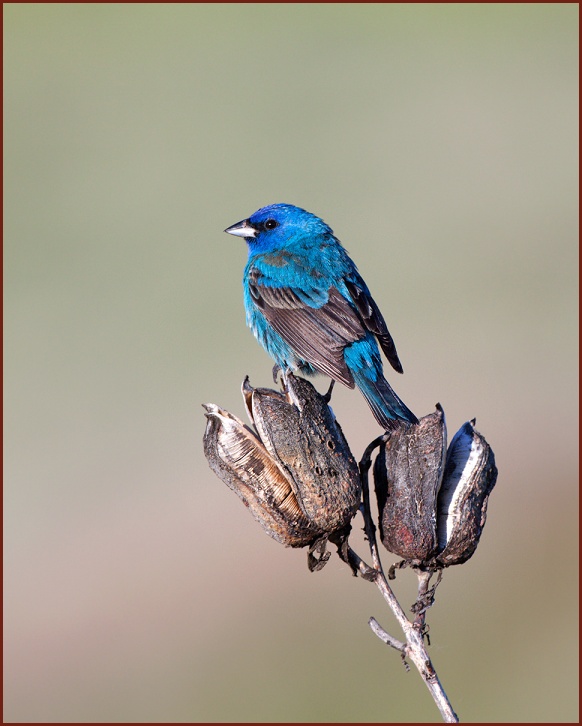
[(309, 308)]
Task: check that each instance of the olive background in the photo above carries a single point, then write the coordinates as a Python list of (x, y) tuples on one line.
[(440, 143)]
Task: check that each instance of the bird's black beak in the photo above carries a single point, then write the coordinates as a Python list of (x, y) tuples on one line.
[(242, 229)]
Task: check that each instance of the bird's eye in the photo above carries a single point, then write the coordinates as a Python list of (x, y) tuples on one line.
[(271, 224)]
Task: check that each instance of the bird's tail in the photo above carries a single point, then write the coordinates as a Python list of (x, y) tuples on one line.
[(385, 404)]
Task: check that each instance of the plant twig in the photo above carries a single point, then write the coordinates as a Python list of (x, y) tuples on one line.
[(414, 648), (387, 638)]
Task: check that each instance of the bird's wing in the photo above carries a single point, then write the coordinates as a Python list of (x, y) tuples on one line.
[(316, 334), (373, 320)]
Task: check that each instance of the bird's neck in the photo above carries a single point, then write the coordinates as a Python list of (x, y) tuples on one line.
[(299, 244)]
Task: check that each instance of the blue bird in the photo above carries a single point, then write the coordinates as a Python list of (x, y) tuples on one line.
[(309, 308)]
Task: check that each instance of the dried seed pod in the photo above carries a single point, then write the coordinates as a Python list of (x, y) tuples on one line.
[(407, 475), (302, 434), (297, 475), (238, 457), (470, 475), (433, 508)]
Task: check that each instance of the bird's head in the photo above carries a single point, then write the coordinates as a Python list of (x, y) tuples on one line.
[(278, 225)]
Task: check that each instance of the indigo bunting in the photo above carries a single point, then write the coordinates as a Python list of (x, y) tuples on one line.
[(309, 308)]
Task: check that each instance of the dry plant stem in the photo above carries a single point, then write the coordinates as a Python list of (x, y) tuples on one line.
[(378, 630), (425, 598), (414, 648)]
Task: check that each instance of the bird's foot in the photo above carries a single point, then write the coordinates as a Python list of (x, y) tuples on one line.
[(276, 370)]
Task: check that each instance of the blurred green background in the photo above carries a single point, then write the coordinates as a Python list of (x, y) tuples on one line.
[(440, 143)]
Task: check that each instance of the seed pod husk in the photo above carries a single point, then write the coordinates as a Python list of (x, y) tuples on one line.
[(433, 507), (238, 457), (302, 434), (407, 475), (296, 472), (470, 475)]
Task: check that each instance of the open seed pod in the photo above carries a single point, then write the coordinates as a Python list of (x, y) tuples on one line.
[(470, 475), (296, 472), (433, 508), (240, 459)]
